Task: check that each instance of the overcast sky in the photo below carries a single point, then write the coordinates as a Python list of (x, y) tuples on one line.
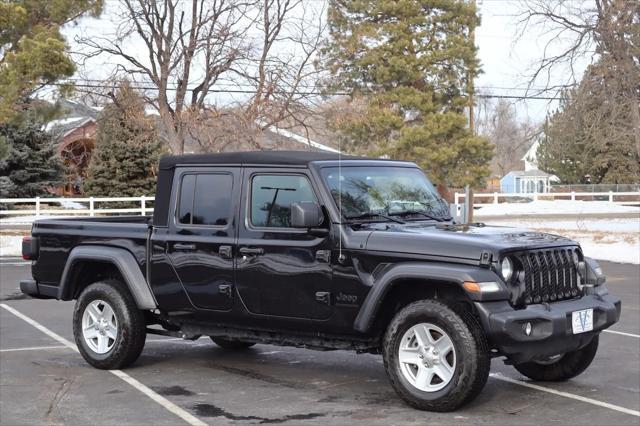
[(505, 63)]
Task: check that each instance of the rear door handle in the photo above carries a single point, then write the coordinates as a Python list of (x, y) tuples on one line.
[(182, 246), (251, 251)]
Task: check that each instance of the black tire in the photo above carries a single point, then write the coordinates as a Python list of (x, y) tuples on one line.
[(235, 345), (473, 360), (567, 367), (131, 333)]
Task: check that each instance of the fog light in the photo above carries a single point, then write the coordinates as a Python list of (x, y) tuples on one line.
[(527, 329)]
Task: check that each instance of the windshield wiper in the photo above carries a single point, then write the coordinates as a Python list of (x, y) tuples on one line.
[(419, 212), (368, 215)]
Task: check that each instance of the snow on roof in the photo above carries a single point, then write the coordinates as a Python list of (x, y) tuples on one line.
[(61, 122), (530, 173), (297, 138), (532, 152)]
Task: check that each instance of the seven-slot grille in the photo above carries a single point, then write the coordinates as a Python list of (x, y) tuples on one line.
[(550, 275)]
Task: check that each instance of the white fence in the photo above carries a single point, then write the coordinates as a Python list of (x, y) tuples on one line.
[(78, 206), (613, 197), (87, 206)]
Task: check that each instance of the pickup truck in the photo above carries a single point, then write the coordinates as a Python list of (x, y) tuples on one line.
[(323, 251)]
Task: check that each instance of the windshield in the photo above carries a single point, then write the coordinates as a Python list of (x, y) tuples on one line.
[(367, 192)]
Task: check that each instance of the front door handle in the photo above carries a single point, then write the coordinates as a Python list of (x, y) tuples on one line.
[(183, 246), (248, 251), (226, 252)]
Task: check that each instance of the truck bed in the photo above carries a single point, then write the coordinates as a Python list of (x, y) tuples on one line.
[(57, 237)]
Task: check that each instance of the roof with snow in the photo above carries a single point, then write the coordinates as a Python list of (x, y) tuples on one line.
[(529, 173), (72, 116)]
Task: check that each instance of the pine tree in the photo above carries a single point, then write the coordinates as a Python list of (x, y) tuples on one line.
[(34, 52), (4, 148), (32, 167), (591, 138), (125, 159), (410, 61)]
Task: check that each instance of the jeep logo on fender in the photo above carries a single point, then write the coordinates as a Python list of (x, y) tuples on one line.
[(347, 299)]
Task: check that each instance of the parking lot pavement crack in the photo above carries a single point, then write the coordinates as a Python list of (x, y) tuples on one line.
[(257, 376), (53, 409)]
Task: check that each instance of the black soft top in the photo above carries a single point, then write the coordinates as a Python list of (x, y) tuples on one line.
[(287, 158)]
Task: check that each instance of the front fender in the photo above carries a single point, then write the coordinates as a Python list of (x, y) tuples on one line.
[(446, 272)]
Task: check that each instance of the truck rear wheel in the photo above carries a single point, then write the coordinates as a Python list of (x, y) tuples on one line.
[(108, 327), (437, 359), (235, 345), (560, 367)]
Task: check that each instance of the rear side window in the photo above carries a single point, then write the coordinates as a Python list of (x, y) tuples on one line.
[(205, 199), (272, 196)]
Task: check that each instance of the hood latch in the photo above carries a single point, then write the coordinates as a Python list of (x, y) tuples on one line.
[(485, 258)]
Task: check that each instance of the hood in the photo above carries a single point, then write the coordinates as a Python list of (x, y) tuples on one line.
[(459, 241)]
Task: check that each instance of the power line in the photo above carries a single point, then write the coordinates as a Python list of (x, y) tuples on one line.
[(306, 92)]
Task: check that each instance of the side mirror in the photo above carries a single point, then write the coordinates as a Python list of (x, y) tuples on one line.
[(306, 214)]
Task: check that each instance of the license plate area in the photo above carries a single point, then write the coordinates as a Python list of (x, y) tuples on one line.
[(582, 321)]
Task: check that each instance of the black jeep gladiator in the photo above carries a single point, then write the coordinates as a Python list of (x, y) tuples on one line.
[(315, 251)]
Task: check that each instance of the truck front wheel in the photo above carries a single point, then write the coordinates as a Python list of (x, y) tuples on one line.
[(560, 367), (108, 327), (437, 359)]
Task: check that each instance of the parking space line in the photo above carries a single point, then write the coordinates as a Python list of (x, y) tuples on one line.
[(591, 401), (622, 333), (165, 403), (15, 263), (34, 348)]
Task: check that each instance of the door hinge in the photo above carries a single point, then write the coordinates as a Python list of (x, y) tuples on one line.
[(323, 297), (225, 289), (323, 256)]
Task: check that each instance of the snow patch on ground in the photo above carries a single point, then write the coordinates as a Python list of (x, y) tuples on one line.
[(10, 245), (553, 207), (73, 205), (616, 240)]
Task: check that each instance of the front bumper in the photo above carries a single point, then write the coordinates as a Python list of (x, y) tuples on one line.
[(551, 333)]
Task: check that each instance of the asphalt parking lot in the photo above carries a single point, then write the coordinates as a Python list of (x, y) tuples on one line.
[(43, 380)]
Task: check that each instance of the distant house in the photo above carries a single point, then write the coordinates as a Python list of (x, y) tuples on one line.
[(76, 126), (526, 182), (75, 131)]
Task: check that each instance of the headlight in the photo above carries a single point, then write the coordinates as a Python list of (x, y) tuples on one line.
[(506, 269)]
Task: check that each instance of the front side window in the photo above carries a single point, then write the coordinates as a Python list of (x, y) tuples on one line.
[(205, 199), (367, 192), (272, 196)]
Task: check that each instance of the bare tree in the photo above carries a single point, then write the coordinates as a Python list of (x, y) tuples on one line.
[(284, 79), (591, 30), (510, 136), (193, 48)]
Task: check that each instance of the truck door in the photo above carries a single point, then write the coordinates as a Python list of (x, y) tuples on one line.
[(281, 271), (201, 237)]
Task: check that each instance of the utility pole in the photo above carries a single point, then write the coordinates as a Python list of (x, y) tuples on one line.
[(472, 121)]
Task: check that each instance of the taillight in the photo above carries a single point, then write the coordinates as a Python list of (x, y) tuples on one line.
[(29, 248)]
